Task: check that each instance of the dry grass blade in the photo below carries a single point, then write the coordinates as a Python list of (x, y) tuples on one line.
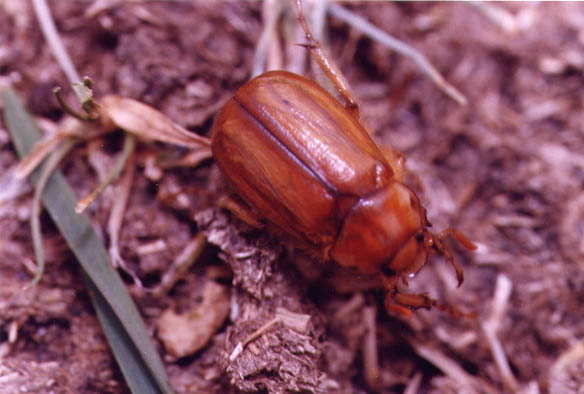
[(501, 17), (490, 327), (123, 325), (129, 145), (268, 50), (191, 159), (38, 153), (146, 122), (400, 47), (451, 368), (114, 225), (369, 350), (181, 265), (69, 128), (50, 31)]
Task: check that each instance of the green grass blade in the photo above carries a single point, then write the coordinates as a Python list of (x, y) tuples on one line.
[(123, 325)]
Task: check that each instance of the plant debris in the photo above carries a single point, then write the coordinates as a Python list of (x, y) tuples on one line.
[(506, 169), (184, 334)]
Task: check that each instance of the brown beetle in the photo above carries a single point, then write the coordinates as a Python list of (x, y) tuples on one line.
[(303, 164)]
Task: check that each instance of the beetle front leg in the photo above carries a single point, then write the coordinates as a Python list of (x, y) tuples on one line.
[(435, 244), (390, 283), (331, 70), (403, 303)]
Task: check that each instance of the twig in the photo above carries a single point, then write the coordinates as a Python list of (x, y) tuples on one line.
[(271, 11), (127, 150), (295, 321), (11, 188), (50, 32), (13, 332), (355, 303), (85, 97), (256, 334), (114, 224), (369, 349), (413, 385), (400, 47), (82, 88), (452, 369), (181, 265), (191, 159), (491, 326), (501, 17)]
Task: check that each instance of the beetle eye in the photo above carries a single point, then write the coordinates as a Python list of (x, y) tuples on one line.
[(385, 270)]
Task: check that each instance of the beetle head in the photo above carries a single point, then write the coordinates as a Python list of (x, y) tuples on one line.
[(389, 229), (383, 229), (408, 260), (414, 253)]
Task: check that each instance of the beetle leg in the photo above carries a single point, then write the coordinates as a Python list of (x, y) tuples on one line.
[(434, 244), (396, 308), (328, 66), (240, 210), (460, 237), (397, 162), (390, 283), (404, 303), (417, 301)]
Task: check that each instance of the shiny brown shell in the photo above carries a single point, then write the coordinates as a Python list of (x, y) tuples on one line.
[(296, 156)]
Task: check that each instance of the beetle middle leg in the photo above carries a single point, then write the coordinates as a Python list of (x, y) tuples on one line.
[(239, 209), (331, 70), (397, 162)]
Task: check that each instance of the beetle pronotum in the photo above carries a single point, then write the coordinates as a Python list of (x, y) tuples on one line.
[(302, 163)]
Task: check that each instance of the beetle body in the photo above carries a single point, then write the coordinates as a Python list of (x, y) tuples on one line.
[(302, 163)]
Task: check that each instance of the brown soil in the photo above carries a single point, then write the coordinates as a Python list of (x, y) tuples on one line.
[(506, 169)]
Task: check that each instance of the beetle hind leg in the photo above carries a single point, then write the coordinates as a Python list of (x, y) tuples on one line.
[(239, 209), (331, 70)]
